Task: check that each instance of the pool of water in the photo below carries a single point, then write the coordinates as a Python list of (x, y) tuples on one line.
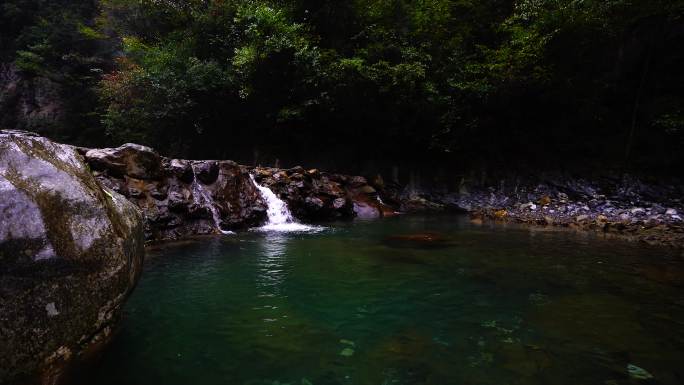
[(407, 300)]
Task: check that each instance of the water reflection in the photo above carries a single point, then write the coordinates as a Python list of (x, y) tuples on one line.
[(271, 262)]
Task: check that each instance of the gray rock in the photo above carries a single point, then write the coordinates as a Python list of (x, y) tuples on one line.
[(70, 253), (364, 210), (130, 159), (314, 203), (182, 170), (206, 171)]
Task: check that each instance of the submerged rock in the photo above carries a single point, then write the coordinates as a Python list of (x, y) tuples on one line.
[(70, 253), (638, 373)]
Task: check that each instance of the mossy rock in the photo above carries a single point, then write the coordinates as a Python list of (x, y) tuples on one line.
[(71, 251)]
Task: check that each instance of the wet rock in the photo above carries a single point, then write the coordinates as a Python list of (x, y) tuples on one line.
[(314, 203), (366, 210), (358, 181), (206, 171), (181, 169), (319, 195), (239, 203), (134, 193), (71, 251), (418, 240), (159, 193), (339, 203)]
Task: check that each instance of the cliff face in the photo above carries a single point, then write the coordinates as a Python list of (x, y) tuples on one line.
[(28, 103)]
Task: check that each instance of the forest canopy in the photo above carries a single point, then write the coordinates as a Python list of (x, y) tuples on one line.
[(351, 83)]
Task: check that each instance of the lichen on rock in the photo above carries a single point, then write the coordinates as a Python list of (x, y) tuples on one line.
[(70, 253)]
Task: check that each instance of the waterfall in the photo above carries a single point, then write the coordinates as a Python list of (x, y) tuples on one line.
[(202, 198), (279, 216)]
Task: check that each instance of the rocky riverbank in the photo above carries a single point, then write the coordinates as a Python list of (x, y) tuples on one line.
[(624, 207), (182, 197)]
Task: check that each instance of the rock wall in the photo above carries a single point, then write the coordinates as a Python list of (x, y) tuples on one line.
[(70, 253), (185, 197), (28, 103), (316, 195)]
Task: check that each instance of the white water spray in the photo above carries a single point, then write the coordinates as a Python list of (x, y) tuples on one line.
[(202, 197), (279, 216)]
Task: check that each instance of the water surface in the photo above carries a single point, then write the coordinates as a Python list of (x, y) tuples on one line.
[(362, 303)]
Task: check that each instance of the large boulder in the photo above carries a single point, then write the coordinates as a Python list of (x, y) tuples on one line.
[(129, 159), (71, 251)]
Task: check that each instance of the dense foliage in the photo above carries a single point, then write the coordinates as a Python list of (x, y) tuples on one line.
[(349, 84)]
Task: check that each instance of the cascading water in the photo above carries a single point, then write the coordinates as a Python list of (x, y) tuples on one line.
[(279, 216), (202, 198)]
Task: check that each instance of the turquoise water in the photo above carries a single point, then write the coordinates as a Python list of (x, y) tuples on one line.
[(360, 303)]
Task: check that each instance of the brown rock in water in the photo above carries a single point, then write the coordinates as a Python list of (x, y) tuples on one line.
[(366, 210), (500, 213), (418, 240), (71, 251)]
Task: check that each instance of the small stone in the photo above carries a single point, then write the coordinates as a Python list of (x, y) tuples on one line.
[(671, 212), (339, 203), (529, 205), (500, 213), (545, 200), (51, 309), (581, 218), (347, 352)]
